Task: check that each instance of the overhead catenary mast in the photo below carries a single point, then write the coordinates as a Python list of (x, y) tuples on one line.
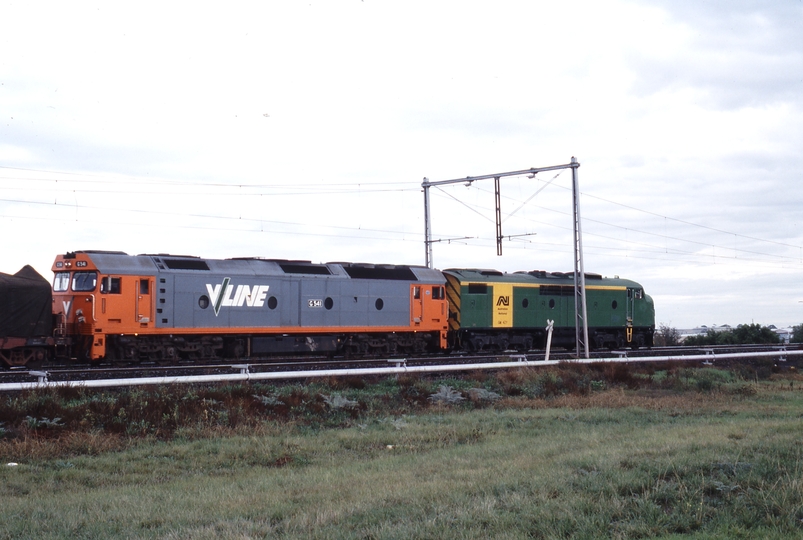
[(580, 312)]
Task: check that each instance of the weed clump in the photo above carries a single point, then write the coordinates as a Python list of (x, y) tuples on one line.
[(60, 414), (337, 401), (446, 395)]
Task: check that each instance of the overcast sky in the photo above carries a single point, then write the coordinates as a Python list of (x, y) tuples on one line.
[(303, 130)]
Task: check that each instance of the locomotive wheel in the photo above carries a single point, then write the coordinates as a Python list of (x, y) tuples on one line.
[(599, 341), (166, 355)]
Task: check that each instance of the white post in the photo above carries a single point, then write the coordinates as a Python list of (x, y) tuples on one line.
[(580, 310), (427, 227)]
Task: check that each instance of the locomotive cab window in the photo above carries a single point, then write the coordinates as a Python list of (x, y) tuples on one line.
[(143, 286), (437, 293), (110, 285), (61, 282), (635, 293), (84, 281), (417, 293)]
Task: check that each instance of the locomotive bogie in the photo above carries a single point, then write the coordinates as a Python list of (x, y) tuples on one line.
[(18, 352)]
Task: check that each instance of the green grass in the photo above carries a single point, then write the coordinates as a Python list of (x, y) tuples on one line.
[(626, 462)]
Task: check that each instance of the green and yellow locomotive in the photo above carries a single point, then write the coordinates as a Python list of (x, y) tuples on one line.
[(491, 310)]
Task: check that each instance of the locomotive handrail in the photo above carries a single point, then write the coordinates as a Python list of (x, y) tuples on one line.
[(61, 326)]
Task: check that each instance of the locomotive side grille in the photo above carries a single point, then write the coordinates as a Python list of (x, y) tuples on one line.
[(557, 290), (298, 268), (477, 288), (165, 294), (397, 273), (186, 264)]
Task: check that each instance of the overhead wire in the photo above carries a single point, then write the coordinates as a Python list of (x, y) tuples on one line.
[(192, 215), (303, 190), (658, 235), (184, 183), (370, 187), (665, 248)]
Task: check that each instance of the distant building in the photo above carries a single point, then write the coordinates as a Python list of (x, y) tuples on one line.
[(785, 334)]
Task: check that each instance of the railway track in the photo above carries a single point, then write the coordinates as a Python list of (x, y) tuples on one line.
[(245, 369)]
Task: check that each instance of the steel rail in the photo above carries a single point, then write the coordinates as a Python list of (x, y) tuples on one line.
[(401, 368)]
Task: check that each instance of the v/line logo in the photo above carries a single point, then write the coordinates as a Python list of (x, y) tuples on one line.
[(225, 294)]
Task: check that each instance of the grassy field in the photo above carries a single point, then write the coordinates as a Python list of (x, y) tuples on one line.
[(570, 452)]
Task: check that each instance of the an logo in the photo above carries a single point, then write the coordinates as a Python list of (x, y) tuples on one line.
[(225, 294), (503, 301)]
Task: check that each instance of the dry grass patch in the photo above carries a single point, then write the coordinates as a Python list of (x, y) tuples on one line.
[(611, 463)]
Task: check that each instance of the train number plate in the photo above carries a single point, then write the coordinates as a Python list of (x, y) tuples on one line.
[(315, 303)]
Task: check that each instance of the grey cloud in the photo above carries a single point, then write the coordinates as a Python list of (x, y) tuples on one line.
[(744, 54)]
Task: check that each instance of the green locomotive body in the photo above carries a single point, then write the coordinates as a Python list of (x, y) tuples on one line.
[(491, 310)]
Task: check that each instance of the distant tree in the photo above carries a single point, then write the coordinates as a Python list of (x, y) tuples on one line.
[(709, 338), (755, 333), (666, 336), (742, 334), (797, 334)]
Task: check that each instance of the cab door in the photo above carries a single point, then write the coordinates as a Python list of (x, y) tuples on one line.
[(144, 306), (631, 305), (416, 305)]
